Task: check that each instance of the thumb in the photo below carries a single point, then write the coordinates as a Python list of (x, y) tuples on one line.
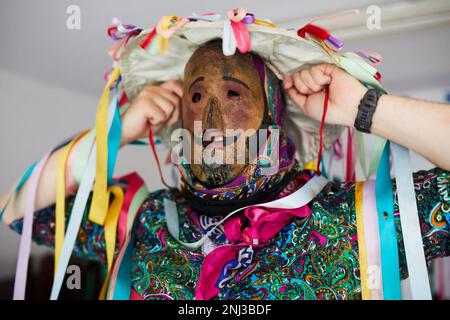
[(298, 98)]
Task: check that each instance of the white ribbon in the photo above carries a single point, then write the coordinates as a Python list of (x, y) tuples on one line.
[(228, 41), (298, 199), (409, 218)]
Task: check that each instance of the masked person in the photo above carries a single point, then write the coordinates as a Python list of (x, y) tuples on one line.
[(310, 252)]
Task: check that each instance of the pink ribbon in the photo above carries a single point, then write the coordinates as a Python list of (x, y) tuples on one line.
[(220, 265), (134, 182), (27, 232), (238, 19)]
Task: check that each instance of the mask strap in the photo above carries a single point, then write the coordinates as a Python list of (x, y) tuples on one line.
[(153, 147), (322, 124)]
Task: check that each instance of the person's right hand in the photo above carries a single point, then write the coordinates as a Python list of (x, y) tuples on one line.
[(157, 105)]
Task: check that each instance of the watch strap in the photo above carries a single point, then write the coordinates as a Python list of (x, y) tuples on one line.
[(366, 110)]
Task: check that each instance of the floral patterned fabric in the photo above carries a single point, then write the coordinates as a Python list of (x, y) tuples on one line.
[(312, 258)]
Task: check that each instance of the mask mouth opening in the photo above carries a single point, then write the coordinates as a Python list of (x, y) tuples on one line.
[(217, 139)]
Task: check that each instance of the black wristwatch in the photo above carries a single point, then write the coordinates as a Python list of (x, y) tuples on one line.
[(366, 109)]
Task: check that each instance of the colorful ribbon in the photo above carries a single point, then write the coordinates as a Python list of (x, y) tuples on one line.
[(362, 251), (409, 217), (121, 33), (350, 165), (79, 206), (389, 248), (228, 41), (22, 180), (166, 27), (322, 124), (373, 278), (27, 230), (210, 17), (297, 199), (60, 207), (220, 265), (133, 198), (100, 201), (321, 34), (33, 174), (235, 32)]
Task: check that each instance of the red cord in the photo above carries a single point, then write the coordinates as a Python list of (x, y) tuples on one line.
[(146, 41), (322, 123), (158, 164), (350, 163), (315, 31)]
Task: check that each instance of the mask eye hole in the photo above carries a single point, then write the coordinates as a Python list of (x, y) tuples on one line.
[(234, 95), (196, 97)]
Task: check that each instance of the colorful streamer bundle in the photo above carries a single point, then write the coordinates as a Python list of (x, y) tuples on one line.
[(121, 33), (235, 34)]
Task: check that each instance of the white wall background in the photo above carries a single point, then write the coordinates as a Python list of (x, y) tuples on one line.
[(51, 77)]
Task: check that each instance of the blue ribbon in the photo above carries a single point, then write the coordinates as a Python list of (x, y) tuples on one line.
[(388, 240), (114, 137), (24, 178), (123, 283)]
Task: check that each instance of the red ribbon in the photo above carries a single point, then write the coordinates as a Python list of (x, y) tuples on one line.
[(350, 163), (315, 31), (322, 124), (146, 41), (153, 147)]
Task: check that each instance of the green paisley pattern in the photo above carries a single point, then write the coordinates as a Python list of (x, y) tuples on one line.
[(314, 258)]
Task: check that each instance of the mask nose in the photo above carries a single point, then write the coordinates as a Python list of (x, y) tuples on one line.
[(212, 118)]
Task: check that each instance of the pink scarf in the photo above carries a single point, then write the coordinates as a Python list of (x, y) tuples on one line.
[(222, 264)]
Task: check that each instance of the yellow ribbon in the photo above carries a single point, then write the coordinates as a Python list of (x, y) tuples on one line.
[(60, 210), (326, 49), (311, 165), (100, 199), (362, 249), (110, 230), (266, 23), (166, 27)]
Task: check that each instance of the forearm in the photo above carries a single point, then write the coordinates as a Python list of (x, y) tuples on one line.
[(46, 190), (421, 126)]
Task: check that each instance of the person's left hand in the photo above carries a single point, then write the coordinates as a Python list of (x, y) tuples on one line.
[(306, 89)]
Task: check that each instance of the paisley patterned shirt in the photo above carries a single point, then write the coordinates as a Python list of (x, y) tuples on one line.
[(311, 258)]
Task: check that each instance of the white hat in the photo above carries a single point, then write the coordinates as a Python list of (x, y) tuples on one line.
[(282, 49)]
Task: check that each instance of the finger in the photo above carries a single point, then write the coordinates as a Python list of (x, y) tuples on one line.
[(165, 105), (169, 95), (326, 70), (308, 80), (175, 86), (298, 98), (175, 115), (287, 82), (300, 85), (319, 76), (154, 114)]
